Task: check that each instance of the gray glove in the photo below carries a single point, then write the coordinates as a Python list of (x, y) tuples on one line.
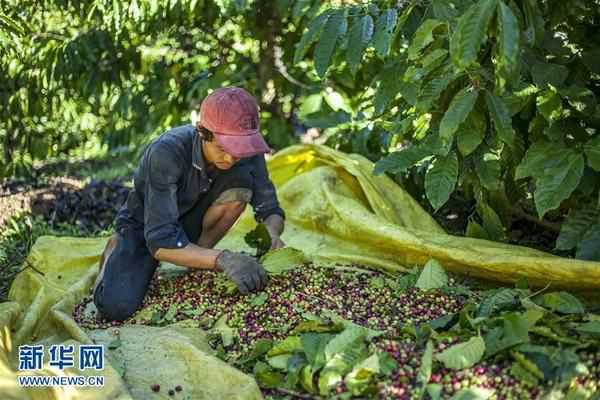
[(247, 273)]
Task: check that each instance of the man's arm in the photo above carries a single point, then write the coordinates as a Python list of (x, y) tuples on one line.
[(275, 225), (192, 256), (164, 236), (265, 203)]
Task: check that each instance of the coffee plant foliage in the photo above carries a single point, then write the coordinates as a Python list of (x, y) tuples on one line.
[(99, 73), (491, 100), (495, 99)]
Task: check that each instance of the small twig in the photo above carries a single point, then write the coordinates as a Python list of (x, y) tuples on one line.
[(554, 227), (538, 292), (313, 296), (296, 394), (29, 265)]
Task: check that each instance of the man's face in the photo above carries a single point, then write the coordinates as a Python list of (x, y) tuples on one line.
[(215, 154)]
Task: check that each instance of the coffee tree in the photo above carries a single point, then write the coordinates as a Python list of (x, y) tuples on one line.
[(493, 101), (104, 73), (496, 99)]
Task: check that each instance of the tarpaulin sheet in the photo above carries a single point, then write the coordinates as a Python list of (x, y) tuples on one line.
[(337, 213)]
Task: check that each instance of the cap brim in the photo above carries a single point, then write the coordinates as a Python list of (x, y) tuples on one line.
[(243, 146)]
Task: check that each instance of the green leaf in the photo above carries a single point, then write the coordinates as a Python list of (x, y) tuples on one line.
[(591, 328), (314, 345), (433, 60), (432, 88), (290, 344), (560, 365), (545, 74), (171, 312), (497, 301), (558, 182), (444, 10), (348, 338), (557, 170), (387, 363), (471, 133), (501, 117), (561, 302), (294, 368), (259, 239), (433, 276), (279, 362), (360, 36), (400, 161), (306, 379), (335, 27), (387, 89), (488, 168), (278, 261), (434, 390), (359, 379), (317, 325), (340, 364), (457, 112), (384, 31), (491, 222), (473, 393), (327, 119), (589, 248), (535, 22), (440, 180), (259, 299), (513, 331), (507, 62), (423, 37), (266, 377), (261, 347), (310, 104), (536, 159), (524, 369), (227, 333), (475, 230), (312, 33), (592, 152), (424, 373), (470, 33), (548, 333), (463, 355), (550, 105), (575, 227)]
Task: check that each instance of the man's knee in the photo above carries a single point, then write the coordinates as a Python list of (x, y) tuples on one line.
[(234, 198), (231, 211), (116, 310)]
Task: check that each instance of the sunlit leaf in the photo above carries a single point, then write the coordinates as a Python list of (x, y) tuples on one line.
[(360, 36), (470, 33), (458, 111), (440, 180), (433, 276), (463, 355)]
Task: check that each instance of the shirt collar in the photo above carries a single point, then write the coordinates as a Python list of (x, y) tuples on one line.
[(197, 154)]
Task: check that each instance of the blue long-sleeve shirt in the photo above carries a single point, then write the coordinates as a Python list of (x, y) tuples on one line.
[(170, 179)]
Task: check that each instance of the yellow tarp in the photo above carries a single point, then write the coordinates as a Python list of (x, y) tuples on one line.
[(337, 212)]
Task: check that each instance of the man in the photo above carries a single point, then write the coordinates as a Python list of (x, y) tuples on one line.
[(190, 187)]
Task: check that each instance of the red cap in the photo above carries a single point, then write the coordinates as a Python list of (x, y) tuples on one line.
[(231, 114)]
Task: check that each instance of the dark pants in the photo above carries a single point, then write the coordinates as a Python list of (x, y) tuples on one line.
[(130, 267)]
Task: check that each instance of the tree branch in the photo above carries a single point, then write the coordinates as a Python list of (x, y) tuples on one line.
[(553, 226)]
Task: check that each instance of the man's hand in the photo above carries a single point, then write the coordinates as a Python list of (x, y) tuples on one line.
[(274, 224), (247, 273), (276, 242)]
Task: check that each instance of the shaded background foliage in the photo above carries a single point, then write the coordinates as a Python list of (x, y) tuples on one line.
[(486, 109)]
